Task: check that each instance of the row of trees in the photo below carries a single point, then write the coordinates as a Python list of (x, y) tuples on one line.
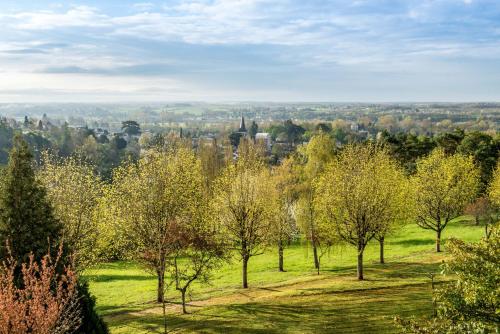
[(164, 211)]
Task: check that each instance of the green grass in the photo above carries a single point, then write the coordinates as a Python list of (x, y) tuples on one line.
[(297, 301)]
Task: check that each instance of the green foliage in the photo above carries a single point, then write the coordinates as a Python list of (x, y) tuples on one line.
[(6, 135), (484, 149), (442, 186), (494, 188), (26, 218), (148, 203), (363, 193), (254, 128), (241, 204), (470, 303), (293, 132), (407, 148), (235, 138), (449, 141), (475, 296), (311, 162), (74, 189), (131, 128)]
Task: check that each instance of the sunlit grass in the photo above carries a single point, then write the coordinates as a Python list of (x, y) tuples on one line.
[(295, 301)]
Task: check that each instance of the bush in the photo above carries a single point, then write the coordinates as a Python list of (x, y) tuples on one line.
[(92, 322)]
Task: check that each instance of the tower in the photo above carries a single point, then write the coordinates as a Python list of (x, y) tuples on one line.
[(242, 125)]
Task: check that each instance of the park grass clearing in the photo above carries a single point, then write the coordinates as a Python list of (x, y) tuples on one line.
[(297, 301)]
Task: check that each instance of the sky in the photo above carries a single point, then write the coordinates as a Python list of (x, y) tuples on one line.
[(249, 50)]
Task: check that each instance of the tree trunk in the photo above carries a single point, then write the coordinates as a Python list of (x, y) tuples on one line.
[(381, 242), (245, 271), (316, 258), (360, 263), (476, 217), (164, 317), (161, 286), (438, 241), (280, 255), (183, 295)]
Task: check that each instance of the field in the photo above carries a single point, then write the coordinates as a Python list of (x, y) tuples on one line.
[(296, 301)]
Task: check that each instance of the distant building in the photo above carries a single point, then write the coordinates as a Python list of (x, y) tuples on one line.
[(264, 137), (354, 127), (363, 134)]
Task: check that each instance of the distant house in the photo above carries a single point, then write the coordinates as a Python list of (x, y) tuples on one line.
[(265, 138)]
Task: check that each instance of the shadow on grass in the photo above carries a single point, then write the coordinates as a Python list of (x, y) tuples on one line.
[(110, 278), (411, 270), (357, 312), (413, 242)]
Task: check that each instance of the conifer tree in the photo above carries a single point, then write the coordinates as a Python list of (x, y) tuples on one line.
[(28, 226), (26, 219)]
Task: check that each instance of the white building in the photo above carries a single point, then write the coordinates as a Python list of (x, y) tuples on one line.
[(265, 138)]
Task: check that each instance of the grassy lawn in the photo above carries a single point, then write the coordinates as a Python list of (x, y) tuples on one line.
[(297, 301)]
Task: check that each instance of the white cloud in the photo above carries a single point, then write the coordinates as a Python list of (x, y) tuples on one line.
[(78, 16), (84, 45), (143, 6)]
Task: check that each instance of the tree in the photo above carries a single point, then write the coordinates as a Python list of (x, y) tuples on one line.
[(46, 302), (313, 158), (254, 128), (293, 132), (241, 205), (212, 161), (450, 141), (407, 148), (6, 135), (470, 302), (27, 222), (73, 189), (131, 128), (323, 127), (483, 210), (235, 138), (150, 198), (283, 227), (494, 189), (442, 186), (66, 144), (92, 322), (361, 190), (198, 249), (484, 150), (118, 143)]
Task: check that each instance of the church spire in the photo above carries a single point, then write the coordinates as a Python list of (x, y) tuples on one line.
[(242, 125)]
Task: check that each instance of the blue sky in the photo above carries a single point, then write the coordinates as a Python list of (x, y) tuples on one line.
[(249, 50)]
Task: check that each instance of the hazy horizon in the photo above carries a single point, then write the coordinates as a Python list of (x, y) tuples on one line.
[(230, 51)]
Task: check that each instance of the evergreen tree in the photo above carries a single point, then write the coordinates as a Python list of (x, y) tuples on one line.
[(28, 224), (92, 323), (254, 128), (26, 218)]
